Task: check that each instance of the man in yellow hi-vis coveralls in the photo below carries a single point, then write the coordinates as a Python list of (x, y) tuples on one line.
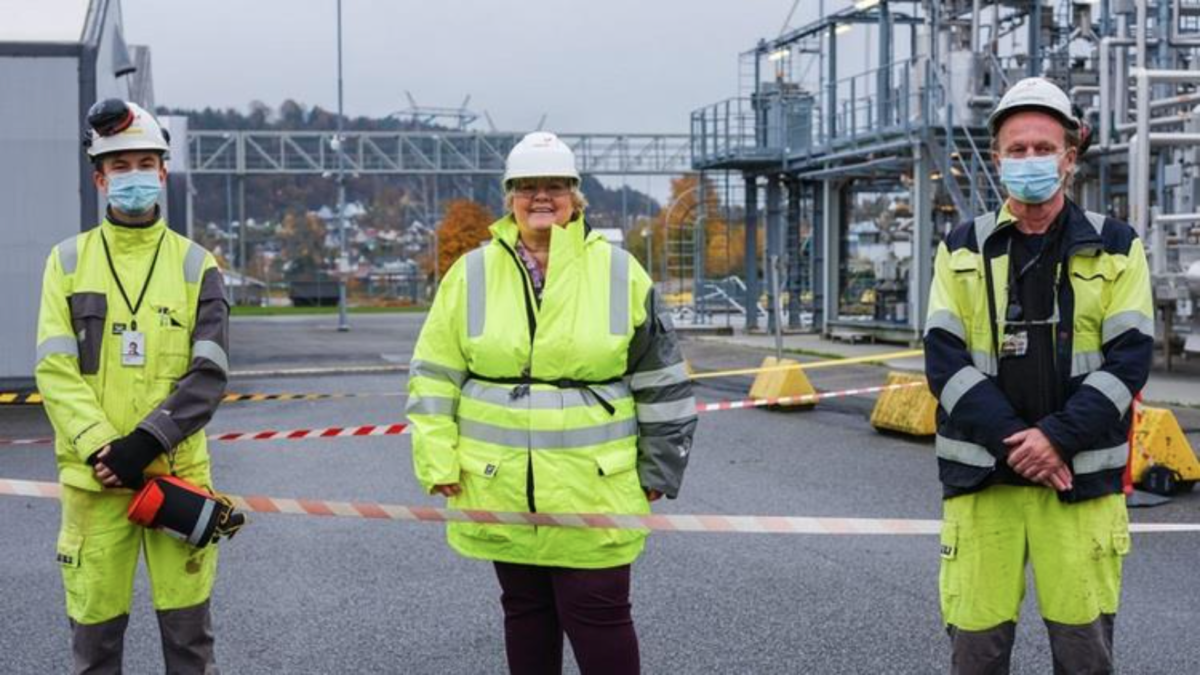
[(1040, 332), (132, 362)]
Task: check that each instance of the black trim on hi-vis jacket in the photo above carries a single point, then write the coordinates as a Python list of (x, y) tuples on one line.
[(1086, 418)]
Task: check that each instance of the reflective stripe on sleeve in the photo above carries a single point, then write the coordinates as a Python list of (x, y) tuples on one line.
[(1112, 388), (1091, 461), (985, 362), (431, 405), (958, 385), (963, 452), (213, 352), (436, 371), (669, 411), (1123, 321), (662, 377), (947, 321), (68, 254), (1083, 363), (59, 344)]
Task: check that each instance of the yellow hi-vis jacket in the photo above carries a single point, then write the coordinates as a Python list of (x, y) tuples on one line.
[(90, 397), (573, 405), (1103, 345)]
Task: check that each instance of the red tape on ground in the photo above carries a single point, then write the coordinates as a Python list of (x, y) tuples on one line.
[(657, 522), (399, 429)]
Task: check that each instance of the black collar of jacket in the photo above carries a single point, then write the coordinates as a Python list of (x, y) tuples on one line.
[(1079, 236)]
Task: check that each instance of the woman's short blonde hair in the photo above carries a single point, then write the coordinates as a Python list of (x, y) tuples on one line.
[(578, 201)]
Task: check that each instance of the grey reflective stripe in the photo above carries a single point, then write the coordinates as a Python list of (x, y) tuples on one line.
[(662, 377), (1091, 461), (61, 344), (431, 405), (618, 294), (1119, 323), (435, 371), (985, 362), (542, 399), (985, 225), (1083, 363), (202, 522), (670, 411), (947, 321), (1112, 388), (212, 351), (958, 385), (476, 292), (68, 254), (547, 440), (963, 452), (1097, 221), (193, 263)]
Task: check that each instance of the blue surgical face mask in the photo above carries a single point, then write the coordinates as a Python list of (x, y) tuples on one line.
[(134, 192), (1031, 180)]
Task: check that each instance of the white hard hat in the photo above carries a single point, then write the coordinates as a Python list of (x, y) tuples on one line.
[(119, 126), (1034, 93), (540, 154)]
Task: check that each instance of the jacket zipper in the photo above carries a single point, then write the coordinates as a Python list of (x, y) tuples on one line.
[(531, 320)]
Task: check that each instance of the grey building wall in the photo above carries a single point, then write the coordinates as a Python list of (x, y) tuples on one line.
[(39, 191)]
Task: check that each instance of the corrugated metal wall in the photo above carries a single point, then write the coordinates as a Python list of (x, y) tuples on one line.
[(39, 191)]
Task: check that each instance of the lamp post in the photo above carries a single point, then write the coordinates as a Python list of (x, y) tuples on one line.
[(343, 322)]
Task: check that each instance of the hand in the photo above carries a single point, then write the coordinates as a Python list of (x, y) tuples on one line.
[(104, 474), (652, 494), (448, 490), (1033, 456), (127, 458)]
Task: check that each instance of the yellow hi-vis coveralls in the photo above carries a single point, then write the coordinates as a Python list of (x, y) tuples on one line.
[(995, 521), (92, 400), (571, 405)]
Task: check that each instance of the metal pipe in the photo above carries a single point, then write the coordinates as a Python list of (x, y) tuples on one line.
[(1177, 218), (1156, 122), (343, 323), (975, 27), (1139, 196)]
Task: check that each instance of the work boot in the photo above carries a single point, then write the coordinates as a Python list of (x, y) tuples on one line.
[(1082, 650), (982, 652), (97, 648), (187, 640)]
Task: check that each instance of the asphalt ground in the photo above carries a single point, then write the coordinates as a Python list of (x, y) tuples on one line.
[(299, 594)]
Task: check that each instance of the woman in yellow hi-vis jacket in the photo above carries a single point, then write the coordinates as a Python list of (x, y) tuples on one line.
[(132, 363), (547, 378)]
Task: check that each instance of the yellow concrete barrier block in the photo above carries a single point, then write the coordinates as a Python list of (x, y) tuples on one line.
[(911, 410), (781, 382), (1157, 439)]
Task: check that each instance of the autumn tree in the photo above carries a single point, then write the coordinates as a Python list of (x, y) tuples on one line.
[(464, 227), (303, 244)]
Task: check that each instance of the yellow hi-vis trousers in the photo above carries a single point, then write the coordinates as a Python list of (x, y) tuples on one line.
[(1076, 551), (98, 550)]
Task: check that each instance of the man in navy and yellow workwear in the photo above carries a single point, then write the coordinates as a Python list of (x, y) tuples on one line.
[(1039, 334), (132, 362)]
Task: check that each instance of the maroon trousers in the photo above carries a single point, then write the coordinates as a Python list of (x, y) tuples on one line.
[(591, 606)]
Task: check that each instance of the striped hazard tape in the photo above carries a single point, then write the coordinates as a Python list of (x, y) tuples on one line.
[(18, 398), (657, 522), (256, 398), (398, 429)]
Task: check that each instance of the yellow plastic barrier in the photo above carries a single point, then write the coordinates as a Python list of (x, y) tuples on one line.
[(778, 379), (912, 410), (1157, 439)]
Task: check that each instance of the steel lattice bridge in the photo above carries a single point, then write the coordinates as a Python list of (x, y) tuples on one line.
[(423, 153)]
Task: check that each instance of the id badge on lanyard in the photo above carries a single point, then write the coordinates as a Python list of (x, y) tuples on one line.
[(133, 341)]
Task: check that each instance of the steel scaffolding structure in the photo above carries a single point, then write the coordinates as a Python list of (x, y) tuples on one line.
[(911, 127)]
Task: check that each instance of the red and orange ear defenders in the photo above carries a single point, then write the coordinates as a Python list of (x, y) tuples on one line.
[(184, 511)]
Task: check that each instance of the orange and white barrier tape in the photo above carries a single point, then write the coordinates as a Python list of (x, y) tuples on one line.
[(799, 400), (400, 429), (656, 522)]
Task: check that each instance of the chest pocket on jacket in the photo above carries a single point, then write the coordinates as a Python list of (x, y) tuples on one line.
[(172, 335), (88, 314), (972, 288), (1092, 279)]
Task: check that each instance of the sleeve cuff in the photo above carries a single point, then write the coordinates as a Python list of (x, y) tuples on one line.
[(94, 438)]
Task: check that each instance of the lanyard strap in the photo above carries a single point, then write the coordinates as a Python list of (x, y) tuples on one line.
[(133, 309)]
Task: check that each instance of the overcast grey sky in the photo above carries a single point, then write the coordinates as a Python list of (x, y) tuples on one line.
[(592, 66)]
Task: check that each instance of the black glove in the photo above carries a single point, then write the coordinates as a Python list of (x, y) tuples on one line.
[(130, 456)]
